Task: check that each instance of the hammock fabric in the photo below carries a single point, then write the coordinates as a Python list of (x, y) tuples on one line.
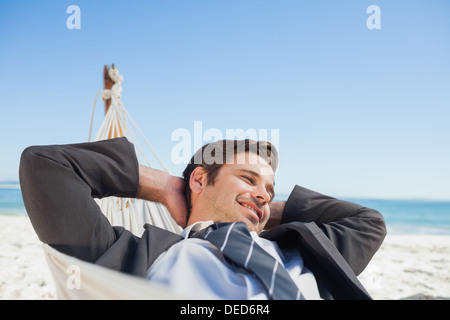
[(129, 213), (79, 280)]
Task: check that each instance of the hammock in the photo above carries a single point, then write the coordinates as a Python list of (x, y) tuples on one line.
[(80, 280), (77, 279), (129, 213)]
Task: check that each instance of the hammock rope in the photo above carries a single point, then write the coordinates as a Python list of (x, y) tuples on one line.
[(130, 213)]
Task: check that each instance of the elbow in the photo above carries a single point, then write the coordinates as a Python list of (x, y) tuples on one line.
[(27, 161), (376, 227), (379, 224), (35, 169), (28, 165)]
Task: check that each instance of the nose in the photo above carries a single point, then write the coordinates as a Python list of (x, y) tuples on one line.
[(261, 194)]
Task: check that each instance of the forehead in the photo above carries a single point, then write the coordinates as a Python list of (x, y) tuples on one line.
[(251, 162)]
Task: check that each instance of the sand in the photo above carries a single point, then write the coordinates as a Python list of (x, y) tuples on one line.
[(410, 267), (405, 267), (24, 273)]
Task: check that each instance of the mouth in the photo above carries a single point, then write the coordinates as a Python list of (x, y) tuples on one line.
[(253, 208)]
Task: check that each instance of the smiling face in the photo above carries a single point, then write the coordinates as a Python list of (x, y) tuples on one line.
[(241, 192)]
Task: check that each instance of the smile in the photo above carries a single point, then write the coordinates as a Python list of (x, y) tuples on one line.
[(252, 207)]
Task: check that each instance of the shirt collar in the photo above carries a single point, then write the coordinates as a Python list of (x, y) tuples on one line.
[(195, 227)]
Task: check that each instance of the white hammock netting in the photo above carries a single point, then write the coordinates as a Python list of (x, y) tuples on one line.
[(98, 282), (130, 213)]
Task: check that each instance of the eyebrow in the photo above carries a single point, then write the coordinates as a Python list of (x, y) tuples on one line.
[(270, 188)]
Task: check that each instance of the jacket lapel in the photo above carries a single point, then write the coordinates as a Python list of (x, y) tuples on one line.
[(153, 242), (334, 276)]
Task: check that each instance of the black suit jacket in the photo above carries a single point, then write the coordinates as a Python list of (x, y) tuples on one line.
[(336, 238)]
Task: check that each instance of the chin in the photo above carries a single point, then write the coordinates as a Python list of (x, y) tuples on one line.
[(252, 227)]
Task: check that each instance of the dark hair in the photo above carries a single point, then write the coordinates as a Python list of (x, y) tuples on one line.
[(212, 156)]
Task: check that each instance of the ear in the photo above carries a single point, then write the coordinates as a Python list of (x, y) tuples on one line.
[(197, 181)]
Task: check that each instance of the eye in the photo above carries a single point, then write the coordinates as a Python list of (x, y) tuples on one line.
[(248, 179)]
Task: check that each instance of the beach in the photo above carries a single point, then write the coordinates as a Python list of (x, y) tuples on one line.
[(410, 267), (24, 273), (406, 266)]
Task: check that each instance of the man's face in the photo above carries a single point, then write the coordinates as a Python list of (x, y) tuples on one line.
[(242, 192)]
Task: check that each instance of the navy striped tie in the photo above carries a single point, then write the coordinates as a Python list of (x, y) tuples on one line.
[(239, 248)]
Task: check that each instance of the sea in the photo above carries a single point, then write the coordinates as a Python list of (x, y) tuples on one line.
[(402, 216)]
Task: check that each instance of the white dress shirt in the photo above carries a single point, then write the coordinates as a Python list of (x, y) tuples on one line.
[(196, 269)]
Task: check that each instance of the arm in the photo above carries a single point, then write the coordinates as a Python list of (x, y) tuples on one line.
[(58, 184), (276, 214), (159, 186), (356, 231)]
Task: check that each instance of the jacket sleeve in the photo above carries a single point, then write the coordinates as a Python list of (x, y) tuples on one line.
[(356, 231), (58, 184)]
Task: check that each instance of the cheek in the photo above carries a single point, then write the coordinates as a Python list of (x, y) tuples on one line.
[(222, 197), (266, 213)]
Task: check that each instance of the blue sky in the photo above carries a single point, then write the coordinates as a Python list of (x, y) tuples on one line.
[(360, 112)]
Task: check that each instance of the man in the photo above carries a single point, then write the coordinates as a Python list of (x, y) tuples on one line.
[(321, 243)]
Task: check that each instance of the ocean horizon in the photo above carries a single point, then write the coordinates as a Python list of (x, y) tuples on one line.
[(402, 216)]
